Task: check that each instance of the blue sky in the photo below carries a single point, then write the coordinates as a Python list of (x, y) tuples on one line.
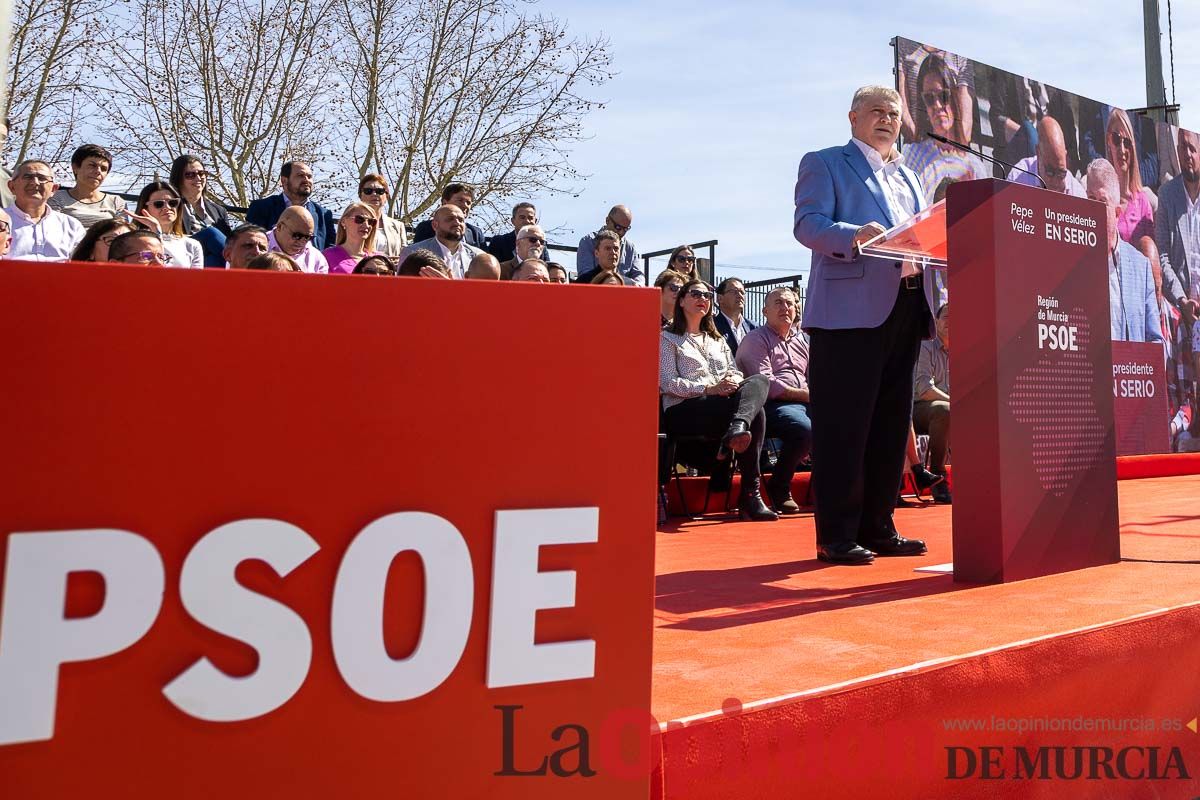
[(715, 103)]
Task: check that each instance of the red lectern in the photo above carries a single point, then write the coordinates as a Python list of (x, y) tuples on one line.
[(1034, 447)]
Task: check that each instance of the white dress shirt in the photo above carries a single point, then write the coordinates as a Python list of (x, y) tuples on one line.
[(51, 238), (900, 199), (457, 262)]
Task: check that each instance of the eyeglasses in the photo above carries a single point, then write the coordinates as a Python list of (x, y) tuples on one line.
[(534, 239), (1057, 173), (699, 294), (147, 257), (733, 290), (192, 174), (942, 97), (674, 288), (618, 227), (161, 204), (377, 271), (1121, 140), (686, 259), (374, 190), (34, 177), (362, 219), (296, 235), (5, 227)]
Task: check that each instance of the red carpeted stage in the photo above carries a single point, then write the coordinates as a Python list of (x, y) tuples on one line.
[(776, 676)]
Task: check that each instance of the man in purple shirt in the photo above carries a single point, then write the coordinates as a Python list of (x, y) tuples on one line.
[(293, 236), (779, 350)]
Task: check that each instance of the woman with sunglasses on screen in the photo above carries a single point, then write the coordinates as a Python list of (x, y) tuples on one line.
[(1135, 215), (936, 163), (355, 239), (158, 208), (703, 393)]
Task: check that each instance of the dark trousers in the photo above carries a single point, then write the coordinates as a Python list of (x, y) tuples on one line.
[(933, 417), (710, 415), (788, 421), (861, 387)]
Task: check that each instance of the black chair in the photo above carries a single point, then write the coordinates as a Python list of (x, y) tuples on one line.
[(668, 444)]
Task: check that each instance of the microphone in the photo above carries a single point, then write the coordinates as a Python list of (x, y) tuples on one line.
[(1004, 164)]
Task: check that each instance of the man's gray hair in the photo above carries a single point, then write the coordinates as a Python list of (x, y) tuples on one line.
[(869, 94), (19, 167), (527, 231), (781, 290), (1104, 175)]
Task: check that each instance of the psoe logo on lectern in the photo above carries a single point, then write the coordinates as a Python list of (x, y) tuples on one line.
[(36, 638)]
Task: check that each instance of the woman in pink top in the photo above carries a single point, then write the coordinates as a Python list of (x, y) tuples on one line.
[(355, 239), (1135, 218)]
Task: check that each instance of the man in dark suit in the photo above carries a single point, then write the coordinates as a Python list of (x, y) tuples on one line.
[(463, 196), (731, 321), (866, 318), (296, 184), (504, 246)]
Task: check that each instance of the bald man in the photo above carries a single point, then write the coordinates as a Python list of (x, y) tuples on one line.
[(619, 221), (1050, 162), (484, 267), (448, 241), (293, 234)]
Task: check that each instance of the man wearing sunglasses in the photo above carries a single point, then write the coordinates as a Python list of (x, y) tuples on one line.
[(293, 236), (1050, 163), (296, 186), (39, 233), (866, 318), (531, 243), (619, 221)]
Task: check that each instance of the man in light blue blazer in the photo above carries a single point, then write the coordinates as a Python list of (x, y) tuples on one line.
[(866, 318), (1132, 299)]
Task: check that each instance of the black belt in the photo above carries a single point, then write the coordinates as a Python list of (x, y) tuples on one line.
[(911, 282)]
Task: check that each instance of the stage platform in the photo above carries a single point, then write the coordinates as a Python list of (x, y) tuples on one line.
[(778, 676)]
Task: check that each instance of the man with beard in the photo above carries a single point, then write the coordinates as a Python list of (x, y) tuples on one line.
[(296, 185), (531, 241), (449, 226), (1177, 230)]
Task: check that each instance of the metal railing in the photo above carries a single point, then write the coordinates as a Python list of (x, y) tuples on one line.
[(757, 291)]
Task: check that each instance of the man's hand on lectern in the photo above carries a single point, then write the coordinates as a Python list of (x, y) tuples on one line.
[(866, 233)]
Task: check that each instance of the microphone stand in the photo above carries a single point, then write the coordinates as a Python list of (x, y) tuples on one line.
[(1005, 164)]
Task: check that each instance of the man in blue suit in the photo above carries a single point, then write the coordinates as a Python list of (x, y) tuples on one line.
[(296, 184), (866, 317), (1132, 299)]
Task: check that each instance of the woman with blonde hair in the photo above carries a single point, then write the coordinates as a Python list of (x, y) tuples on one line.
[(355, 239), (1135, 215)]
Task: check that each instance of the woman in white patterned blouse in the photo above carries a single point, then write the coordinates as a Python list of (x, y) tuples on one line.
[(703, 392)]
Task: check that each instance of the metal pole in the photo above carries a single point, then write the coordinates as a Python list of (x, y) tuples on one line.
[(1156, 90)]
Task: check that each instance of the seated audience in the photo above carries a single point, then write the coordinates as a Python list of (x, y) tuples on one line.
[(683, 261), (504, 246), (606, 256), (244, 245), (558, 273), (296, 186), (779, 351), (203, 219), (355, 239), (391, 237), (84, 201), (618, 222), (447, 241), (931, 399), (293, 236), (39, 233), (532, 269), (462, 196), (1135, 204), (484, 267), (670, 282), (703, 393), (158, 209), (606, 278), (274, 261), (1132, 301), (377, 264), (422, 263), (138, 247), (95, 243), (731, 321), (531, 242)]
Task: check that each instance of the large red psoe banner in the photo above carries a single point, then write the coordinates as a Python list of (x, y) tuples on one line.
[(267, 535)]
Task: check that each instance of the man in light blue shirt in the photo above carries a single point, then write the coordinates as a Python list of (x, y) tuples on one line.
[(619, 221)]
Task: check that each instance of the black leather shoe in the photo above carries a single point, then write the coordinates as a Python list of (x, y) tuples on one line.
[(750, 504), (781, 499), (847, 553), (896, 546), (925, 479), (941, 493), (737, 438)]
